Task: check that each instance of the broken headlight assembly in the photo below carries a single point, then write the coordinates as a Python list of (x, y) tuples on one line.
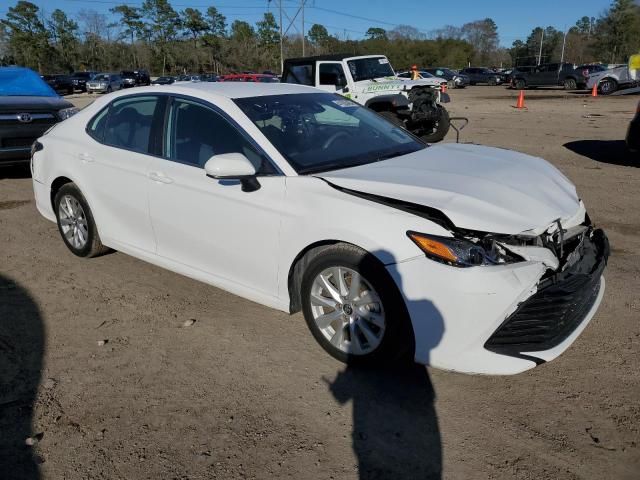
[(460, 252)]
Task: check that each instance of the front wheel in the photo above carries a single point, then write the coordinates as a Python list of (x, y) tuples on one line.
[(570, 84), (520, 84), (353, 307), (439, 128), (75, 222), (608, 86)]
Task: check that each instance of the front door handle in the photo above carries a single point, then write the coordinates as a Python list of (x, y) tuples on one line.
[(159, 177), (85, 158)]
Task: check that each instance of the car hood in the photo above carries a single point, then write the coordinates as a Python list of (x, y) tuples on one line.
[(478, 188), (19, 103), (395, 84)]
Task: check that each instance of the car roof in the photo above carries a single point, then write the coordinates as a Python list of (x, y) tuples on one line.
[(231, 89)]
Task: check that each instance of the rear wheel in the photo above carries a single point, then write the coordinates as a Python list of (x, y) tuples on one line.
[(520, 84), (570, 84), (353, 307), (493, 82), (608, 86), (75, 222)]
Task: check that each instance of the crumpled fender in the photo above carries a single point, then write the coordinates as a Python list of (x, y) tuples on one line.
[(397, 100)]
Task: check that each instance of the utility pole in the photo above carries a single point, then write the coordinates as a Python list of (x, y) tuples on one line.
[(281, 49), (541, 41), (303, 35), (564, 42)]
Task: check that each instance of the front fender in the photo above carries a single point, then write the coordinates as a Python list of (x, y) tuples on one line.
[(394, 101), (316, 212)]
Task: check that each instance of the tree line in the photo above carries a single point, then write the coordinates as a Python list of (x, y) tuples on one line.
[(163, 40)]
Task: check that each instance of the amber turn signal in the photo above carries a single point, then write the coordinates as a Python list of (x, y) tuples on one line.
[(433, 247)]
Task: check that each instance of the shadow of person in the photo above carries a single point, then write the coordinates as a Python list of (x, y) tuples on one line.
[(613, 152), (395, 427), (22, 342)]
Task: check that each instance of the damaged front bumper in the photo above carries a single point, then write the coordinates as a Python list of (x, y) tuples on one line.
[(501, 319)]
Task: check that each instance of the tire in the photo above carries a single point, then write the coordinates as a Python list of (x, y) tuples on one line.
[(391, 117), (608, 86), (520, 84), (493, 82), (109, 89), (70, 206), (381, 328), (441, 128), (570, 84)]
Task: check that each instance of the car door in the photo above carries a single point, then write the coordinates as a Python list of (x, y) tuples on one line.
[(476, 77), (116, 167), (330, 77), (213, 225), (546, 75)]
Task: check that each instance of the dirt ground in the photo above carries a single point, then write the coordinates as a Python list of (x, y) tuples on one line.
[(99, 372)]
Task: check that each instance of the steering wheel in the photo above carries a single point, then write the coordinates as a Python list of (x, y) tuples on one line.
[(329, 141)]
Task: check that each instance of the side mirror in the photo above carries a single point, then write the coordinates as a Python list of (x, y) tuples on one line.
[(233, 166)]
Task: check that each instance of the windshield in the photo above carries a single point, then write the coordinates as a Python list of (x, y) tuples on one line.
[(101, 77), (317, 132), (23, 82), (371, 67)]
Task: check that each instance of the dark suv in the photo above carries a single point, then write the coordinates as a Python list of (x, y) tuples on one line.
[(60, 83), (80, 79), (135, 78), (481, 75), (549, 75), (28, 108)]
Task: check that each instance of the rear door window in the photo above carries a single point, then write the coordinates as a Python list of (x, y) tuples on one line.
[(130, 123), (97, 125)]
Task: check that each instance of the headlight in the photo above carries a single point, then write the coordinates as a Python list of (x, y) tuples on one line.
[(67, 112), (452, 251)]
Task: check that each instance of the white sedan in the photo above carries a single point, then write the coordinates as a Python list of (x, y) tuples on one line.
[(465, 257)]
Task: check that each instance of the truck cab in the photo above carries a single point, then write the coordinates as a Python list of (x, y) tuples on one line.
[(371, 81)]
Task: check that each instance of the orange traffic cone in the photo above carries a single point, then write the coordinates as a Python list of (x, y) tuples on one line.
[(520, 103), (444, 88), (594, 90)]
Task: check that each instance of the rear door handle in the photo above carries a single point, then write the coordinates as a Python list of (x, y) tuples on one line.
[(85, 157), (159, 177)]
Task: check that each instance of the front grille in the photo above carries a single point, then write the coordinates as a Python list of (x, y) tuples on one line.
[(18, 142), (548, 317), (37, 118)]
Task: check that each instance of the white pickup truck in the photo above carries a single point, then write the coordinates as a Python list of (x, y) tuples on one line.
[(369, 80)]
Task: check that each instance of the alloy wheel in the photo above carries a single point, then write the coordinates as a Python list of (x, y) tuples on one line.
[(347, 310), (73, 222)]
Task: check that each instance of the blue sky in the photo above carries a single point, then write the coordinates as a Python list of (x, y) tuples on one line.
[(515, 18)]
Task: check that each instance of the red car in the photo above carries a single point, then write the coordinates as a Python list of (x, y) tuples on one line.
[(249, 77)]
